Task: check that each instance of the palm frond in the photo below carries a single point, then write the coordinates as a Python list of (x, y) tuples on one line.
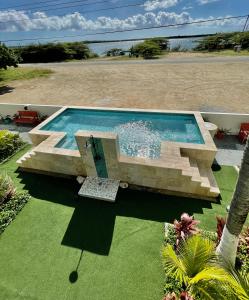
[(196, 253), (173, 265)]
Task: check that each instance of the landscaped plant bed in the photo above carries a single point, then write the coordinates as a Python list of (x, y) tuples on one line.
[(10, 143), (189, 252), (11, 201)]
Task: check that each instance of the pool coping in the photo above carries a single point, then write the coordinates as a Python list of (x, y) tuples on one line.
[(49, 139)]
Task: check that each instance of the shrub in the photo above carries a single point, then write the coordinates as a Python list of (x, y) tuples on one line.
[(7, 189), (163, 43), (10, 209), (8, 57), (172, 285), (147, 49), (9, 143), (243, 250), (54, 52), (222, 41)]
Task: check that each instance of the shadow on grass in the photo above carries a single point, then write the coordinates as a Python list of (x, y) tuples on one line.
[(6, 89), (92, 224)]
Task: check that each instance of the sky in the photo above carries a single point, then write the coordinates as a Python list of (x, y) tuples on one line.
[(32, 21)]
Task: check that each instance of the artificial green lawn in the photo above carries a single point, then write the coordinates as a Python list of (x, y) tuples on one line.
[(114, 247)]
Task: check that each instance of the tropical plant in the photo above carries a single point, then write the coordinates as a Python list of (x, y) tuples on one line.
[(194, 260), (7, 57), (238, 213), (185, 227), (7, 189), (9, 143)]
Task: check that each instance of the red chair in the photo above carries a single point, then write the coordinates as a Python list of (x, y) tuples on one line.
[(244, 132), (27, 117)]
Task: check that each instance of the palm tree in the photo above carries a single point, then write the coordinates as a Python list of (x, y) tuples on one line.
[(200, 271), (229, 282), (238, 212), (193, 265)]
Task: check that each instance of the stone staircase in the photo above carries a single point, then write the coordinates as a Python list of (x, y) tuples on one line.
[(199, 176), (26, 160)]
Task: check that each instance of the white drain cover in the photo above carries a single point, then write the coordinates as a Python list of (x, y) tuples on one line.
[(100, 188)]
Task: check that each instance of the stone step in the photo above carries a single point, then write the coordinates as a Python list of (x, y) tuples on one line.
[(100, 188), (25, 157)]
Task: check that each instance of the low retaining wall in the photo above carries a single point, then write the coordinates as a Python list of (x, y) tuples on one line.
[(226, 120), (230, 121), (43, 110)]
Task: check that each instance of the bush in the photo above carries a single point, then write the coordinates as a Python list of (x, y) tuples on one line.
[(163, 43), (7, 189), (9, 143), (223, 41), (10, 209), (147, 49), (54, 52), (8, 58)]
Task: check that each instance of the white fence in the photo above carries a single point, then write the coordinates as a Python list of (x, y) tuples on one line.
[(222, 120)]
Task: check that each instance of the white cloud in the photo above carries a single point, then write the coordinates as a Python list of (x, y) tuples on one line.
[(13, 21), (159, 4), (203, 2), (21, 21), (187, 7)]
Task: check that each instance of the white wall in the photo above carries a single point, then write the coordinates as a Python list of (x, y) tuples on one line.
[(11, 109), (226, 120), (222, 120)]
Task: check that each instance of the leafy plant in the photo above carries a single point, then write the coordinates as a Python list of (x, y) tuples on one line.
[(147, 49), (193, 260), (172, 285), (243, 250), (185, 227), (9, 143), (10, 209), (7, 57), (7, 189)]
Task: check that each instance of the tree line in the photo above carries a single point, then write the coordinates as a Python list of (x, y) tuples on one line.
[(224, 41), (43, 53)]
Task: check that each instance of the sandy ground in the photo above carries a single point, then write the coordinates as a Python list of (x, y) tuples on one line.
[(204, 86)]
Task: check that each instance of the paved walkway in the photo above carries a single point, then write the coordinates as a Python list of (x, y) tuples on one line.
[(230, 151)]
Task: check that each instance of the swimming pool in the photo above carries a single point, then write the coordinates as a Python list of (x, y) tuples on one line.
[(140, 133)]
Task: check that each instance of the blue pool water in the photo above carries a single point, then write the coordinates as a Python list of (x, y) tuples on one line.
[(140, 133)]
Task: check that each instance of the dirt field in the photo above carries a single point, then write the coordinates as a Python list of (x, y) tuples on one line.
[(205, 86)]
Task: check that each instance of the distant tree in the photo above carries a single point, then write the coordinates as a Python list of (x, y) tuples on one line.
[(8, 58), (163, 43), (78, 50), (146, 49), (54, 52), (220, 41)]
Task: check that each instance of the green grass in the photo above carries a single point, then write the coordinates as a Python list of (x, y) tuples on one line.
[(115, 248), (228, 53), (22, 73)]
